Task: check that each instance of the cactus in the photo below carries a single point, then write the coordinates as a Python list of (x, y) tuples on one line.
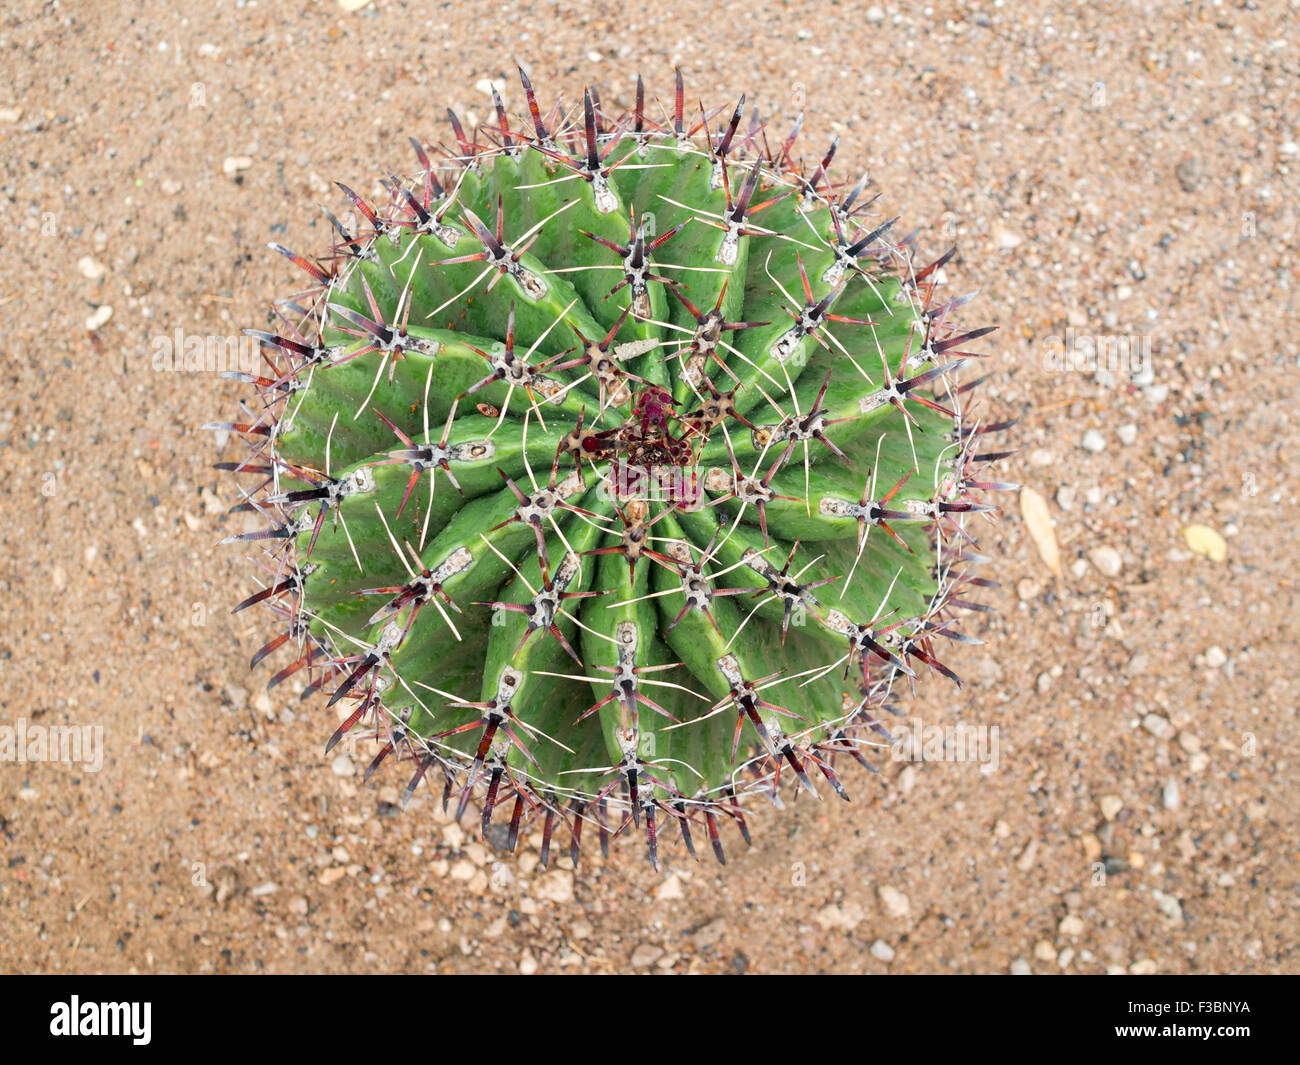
[(614, 468)]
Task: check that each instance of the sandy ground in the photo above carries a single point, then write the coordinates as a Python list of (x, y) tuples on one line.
[(1123, 173)]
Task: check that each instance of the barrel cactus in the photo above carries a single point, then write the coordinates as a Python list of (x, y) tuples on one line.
[(615, 469)]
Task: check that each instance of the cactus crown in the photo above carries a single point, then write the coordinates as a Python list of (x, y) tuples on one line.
[(614, 468)]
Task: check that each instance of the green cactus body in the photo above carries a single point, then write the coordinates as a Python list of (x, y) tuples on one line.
[(606, 476)]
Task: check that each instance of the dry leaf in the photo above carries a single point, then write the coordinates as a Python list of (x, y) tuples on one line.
[(1033, 508), (1205, 541)]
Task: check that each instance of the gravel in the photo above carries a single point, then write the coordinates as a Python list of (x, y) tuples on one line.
[(1093, 441), (138, 185), (1107, 560)]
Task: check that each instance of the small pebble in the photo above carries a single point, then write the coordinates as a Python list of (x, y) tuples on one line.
[(895, 902), (875, 15), (235, 163), (710, 933), (101, 315), (1020, 967), (1110, 806), (671, 888), (1071, 925), (342, 766), (1169, 905), (1127, 433), (90, 268), (1106, 559), (1093, 441), (645, 955), (1170, 797), (1136, 666), (1158, 726), (1215, 658), (1205, 541), (882, 950)]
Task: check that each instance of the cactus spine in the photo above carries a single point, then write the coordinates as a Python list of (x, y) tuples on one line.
[(614, 470)]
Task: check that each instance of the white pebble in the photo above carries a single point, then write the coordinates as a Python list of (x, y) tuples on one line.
[(895, 902), (1170, 796), (1106, 559), (882, 950), (1169, 905), (1158, 726), (235, 163), (101, 315), (1127, 433), (1215, 658), (90, 268), (342, 766), (1093, 441)]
